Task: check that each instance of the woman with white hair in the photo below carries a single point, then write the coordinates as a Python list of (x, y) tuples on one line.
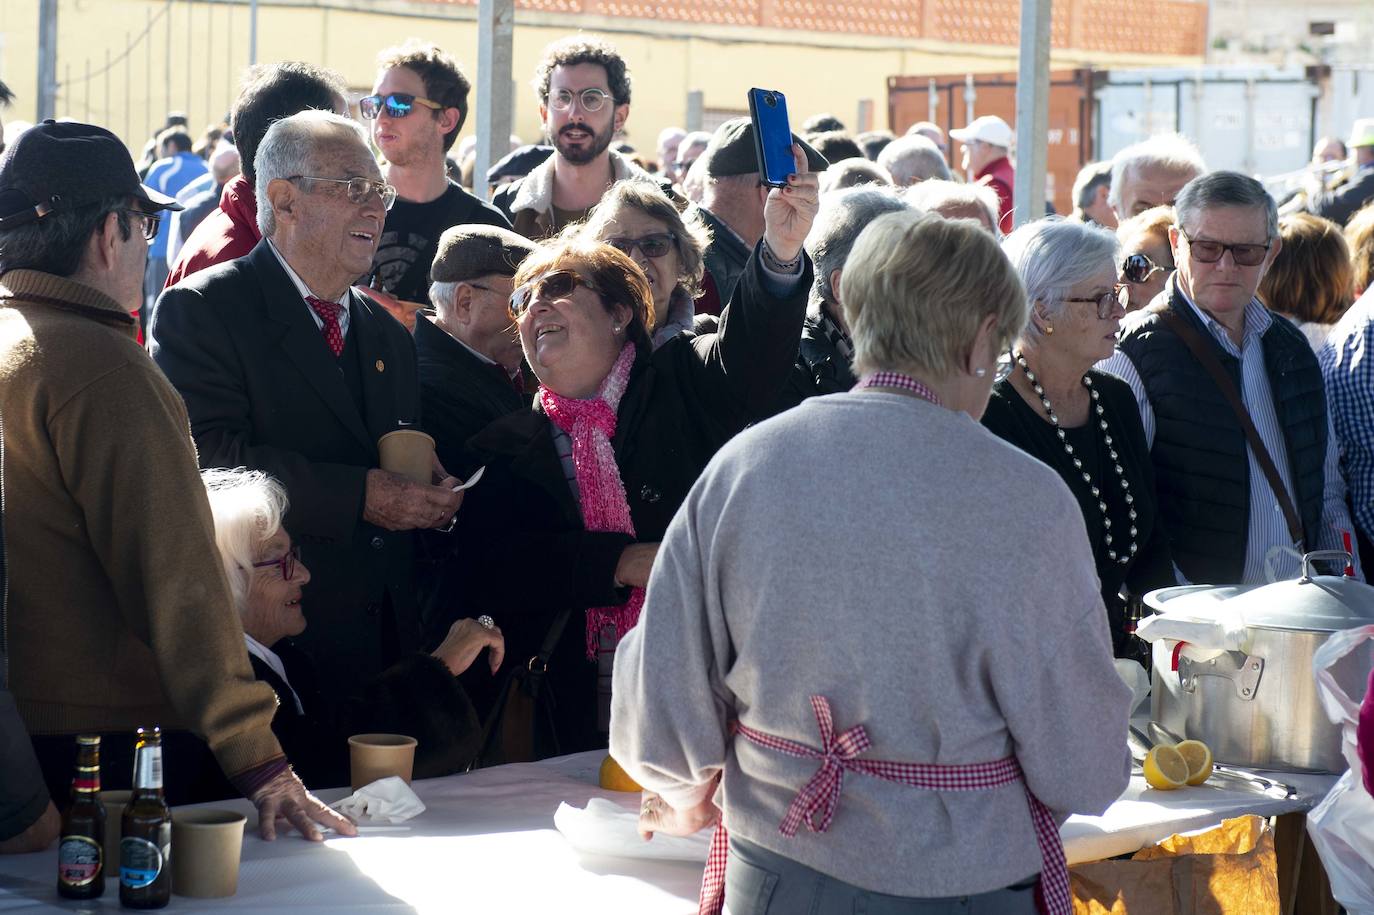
[(889, 727), (419, 696), (1081, 422)]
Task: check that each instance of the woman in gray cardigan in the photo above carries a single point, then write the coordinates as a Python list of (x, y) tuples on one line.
[(949, 653)]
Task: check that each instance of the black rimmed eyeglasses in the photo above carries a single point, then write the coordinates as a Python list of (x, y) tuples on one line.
[(1107, 302), (359, 188), (149, 223), (286, 563)]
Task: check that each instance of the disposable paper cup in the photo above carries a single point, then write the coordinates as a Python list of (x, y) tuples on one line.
[(115, 802), (205, 852), (374, 756), (408, 452)]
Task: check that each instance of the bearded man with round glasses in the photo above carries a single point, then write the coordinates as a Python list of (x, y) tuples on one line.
[(584, 101), (285, 368), (1237, 505)]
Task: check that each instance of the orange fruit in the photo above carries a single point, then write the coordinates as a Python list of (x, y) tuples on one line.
[(613, 778)]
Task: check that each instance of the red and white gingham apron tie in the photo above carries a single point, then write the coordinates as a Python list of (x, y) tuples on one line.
[(816, 802)]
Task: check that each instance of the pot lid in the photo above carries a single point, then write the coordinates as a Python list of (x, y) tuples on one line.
[(1315, 603)]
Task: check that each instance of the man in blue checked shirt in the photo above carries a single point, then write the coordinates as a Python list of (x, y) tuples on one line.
[(176, 168), (1225, 519), (1347, 362)]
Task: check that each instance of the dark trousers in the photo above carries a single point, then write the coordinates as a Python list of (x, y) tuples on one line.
[(190, 774)]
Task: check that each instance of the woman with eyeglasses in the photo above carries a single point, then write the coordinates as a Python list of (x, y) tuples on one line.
[(1081, 422), (419, 696), (558, 539), (637, 219)]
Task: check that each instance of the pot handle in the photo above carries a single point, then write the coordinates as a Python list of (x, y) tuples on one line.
[(1308, 571), (1243, 670)]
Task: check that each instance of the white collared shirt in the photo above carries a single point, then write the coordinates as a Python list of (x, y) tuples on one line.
[(304, 290), (1267, 527), (269, 657)]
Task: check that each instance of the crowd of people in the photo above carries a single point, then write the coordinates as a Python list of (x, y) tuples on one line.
[(760, 476)]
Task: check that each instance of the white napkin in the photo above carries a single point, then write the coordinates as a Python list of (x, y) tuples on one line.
[(387, 800), (1134, 676), (606, 828)]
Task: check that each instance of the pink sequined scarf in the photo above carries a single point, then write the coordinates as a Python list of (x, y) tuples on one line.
[(591, 423)]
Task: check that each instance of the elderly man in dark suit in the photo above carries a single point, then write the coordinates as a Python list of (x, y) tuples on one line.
[(286, 369), (470, 358)]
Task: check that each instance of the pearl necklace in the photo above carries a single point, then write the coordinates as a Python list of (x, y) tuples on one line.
[(1125, 556)]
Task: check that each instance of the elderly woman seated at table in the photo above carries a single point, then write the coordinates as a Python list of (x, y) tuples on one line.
[(908, 716), (1081, 422), (418, 697), (558, 539), (637, 219)]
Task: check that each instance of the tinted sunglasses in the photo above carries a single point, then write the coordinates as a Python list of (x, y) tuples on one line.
[(1108, 302), (556, 285), (396, 105), (1209, 252), (1138, 268), (655, 245)]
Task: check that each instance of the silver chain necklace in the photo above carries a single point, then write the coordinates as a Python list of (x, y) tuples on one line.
[(1125, 556)]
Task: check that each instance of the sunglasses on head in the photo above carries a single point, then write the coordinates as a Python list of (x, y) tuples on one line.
[(654, 245), (1108, 302), (1209, 252), (556, 285), (396, 105), (1138, 268)]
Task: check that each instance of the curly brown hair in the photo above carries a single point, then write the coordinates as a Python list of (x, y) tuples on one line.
[(583, 49), (1359, 235), (1310, 279), (444, 81)]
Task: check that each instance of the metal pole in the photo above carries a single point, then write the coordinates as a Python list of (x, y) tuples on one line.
[(128, 91), (47, 59), (932, 102), (495, 91), (88, 90), (253, 33), (1032, 112), (148, 69), (107, 116), (209, 56), (167, 63), (696, 110), (190, 54), (65, 90)]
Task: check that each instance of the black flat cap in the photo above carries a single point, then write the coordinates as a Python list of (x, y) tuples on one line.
[(57, 167), (469, 251), (731, 151), (518, 163)]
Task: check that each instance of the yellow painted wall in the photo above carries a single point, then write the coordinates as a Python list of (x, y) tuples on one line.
[(209, 49)]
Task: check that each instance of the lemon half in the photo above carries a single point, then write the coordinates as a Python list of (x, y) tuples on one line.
[(1198, 756), (613, 778), (1166, 769)]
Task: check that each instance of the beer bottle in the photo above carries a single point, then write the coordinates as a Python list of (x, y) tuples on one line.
[(81, 852), (145, 845)]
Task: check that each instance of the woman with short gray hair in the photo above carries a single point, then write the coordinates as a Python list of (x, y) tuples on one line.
[(1081, 422), (782, 645)]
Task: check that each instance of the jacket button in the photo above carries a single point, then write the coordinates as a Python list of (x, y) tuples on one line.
[(648, 494), (378, 543)]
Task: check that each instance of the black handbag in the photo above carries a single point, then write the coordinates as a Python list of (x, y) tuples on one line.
[(520, 726)]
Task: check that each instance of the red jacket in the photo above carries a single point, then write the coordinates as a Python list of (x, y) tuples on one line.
[(1000, 176), (228, 232)]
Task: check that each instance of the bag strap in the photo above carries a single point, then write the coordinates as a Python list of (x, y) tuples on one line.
[(1208, 358), (560, 622)]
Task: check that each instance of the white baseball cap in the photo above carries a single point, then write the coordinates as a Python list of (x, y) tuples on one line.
[(987, 129), (1362, 132)]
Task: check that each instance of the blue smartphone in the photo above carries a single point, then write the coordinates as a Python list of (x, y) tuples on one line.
[(772, 136)]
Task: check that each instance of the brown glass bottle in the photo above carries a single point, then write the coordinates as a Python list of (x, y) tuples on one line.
[(81, 852), (145, 845)]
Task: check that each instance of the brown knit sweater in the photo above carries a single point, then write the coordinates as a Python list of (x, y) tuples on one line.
[(119, 611)]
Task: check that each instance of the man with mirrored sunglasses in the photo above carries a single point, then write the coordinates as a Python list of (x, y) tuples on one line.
[(417, 108), (584, 100), (1239, 505)]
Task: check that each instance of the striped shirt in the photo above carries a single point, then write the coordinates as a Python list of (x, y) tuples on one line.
[(1266, 558), (1347, 362)]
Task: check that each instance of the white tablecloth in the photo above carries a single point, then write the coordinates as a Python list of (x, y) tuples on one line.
[(487, 844)]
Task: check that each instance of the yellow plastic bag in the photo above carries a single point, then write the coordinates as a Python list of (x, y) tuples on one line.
[(1229, 870)]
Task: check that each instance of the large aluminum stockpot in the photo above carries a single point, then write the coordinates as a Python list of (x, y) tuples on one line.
[(1233, 666)]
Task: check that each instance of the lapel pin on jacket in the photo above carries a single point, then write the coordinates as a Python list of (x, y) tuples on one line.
[(381, 366)]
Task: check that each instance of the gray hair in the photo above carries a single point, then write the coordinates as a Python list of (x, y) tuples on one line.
[(1225, 189), (1052, 255), (442, 295), (56, 243), (1171, 152), (294, 146), (694, 139), (936, 194), (912, 159), (853, 173), (839, 220), (248, 507), (1090, 177)]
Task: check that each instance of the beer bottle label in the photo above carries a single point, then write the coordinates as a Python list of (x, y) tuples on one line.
[(140, 861), (78, 860), (148, 768)]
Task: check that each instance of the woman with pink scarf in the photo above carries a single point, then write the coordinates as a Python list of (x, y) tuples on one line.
[(564, 527)]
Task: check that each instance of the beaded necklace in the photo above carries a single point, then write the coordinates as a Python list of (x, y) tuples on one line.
[(1112, 554)]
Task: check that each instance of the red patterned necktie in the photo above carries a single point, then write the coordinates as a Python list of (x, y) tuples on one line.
[(329, 314)]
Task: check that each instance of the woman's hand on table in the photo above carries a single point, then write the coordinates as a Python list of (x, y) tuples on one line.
[(286, 797), (789, 211), (465, 640), (636, 562), (657, 815), (38, 836)]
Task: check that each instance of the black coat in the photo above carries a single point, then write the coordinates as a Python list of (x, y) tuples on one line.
[(263, 391), (520, 552), (460, 395), (416, 696)]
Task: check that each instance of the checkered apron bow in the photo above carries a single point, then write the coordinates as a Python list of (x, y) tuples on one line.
[(816, 802)]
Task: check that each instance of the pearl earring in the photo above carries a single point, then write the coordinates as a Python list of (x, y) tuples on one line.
[(616, 328), (980, 372)]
